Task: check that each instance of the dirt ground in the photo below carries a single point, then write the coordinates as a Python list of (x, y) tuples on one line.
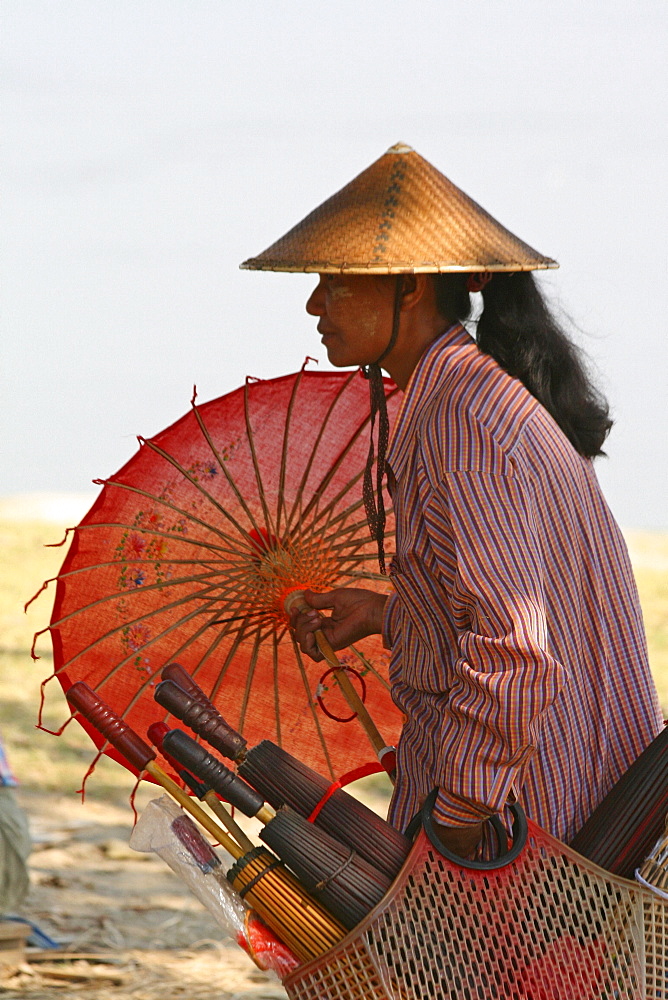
[(136, 928)]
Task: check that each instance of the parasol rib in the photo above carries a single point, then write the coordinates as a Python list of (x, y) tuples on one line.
[(314, 449), (223, 465), (169, 535), (284, 455), (258, 478), (338, 461), (166, 503), (312, 709), (249, 680), (228, 659), (198, 486), (277, 700)]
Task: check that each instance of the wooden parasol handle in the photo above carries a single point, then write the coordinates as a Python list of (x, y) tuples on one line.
[(141, 756), (295, 599)]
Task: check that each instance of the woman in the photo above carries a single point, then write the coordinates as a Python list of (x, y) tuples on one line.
[(518, 652)]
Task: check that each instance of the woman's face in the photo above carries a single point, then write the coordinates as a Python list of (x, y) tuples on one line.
[(355, 316)]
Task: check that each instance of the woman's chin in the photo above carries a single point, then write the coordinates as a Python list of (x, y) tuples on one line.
[(340, 358)]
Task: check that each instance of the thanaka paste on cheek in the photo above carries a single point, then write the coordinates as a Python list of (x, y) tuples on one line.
[(340, 292), (369, 323)]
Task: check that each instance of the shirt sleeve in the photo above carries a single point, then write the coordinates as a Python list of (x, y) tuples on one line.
[(504, 678)]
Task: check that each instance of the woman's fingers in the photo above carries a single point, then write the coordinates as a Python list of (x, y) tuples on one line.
[(355, 613)]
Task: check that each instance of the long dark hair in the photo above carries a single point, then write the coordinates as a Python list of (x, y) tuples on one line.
[(518, 330)]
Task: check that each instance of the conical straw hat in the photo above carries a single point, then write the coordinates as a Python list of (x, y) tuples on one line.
[(400, 215)]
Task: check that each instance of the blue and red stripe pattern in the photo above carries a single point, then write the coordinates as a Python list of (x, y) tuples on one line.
[(518, 649), (6, 774)]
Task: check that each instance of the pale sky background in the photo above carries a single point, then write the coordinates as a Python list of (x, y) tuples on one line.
[(149, 146)]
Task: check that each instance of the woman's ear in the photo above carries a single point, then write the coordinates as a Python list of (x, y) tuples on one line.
[(414, 289)]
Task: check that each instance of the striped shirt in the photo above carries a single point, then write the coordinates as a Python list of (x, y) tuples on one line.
[(518, 650)]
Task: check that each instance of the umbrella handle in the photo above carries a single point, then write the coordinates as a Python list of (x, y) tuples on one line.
[(141, 755), (213, 773), (234, 741), (113, 727), (156, 733), (175, 672), (295, 599), (205, 720)]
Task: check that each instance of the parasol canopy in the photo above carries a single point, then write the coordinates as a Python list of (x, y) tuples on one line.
[(191, 548)]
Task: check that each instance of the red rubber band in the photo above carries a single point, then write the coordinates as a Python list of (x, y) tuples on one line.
[(330, 715), (363, 771)]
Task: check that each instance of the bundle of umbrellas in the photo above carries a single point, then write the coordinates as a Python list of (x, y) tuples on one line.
[(331, 860)]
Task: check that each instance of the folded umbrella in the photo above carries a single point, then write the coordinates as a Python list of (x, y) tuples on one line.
[(347, 884), (333, 872), (157, 733), (282, 780), (301, 922), (624, 827)]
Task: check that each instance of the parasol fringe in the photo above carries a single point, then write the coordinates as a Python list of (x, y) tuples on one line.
[(40, 712), (52, 579), (91, 767), (33, 655), (132, 798), (57, 545)]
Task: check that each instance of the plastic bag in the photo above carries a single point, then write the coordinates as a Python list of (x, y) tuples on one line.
[(165, 830)]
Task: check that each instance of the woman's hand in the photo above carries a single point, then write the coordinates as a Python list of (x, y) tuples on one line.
[(356, 613), (461, 840)]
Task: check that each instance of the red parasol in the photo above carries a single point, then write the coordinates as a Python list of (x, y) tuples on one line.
[(191, 548)]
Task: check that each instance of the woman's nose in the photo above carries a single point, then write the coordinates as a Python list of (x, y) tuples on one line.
[(316, 302)]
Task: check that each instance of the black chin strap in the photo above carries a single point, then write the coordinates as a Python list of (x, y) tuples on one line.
[(373, 497)]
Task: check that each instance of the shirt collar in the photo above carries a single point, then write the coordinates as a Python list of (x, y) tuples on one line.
[(428, 376)]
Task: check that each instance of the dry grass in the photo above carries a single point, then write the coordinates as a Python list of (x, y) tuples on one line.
[(649, 553)]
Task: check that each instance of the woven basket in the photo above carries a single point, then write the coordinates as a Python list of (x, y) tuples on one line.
[(548, 926)]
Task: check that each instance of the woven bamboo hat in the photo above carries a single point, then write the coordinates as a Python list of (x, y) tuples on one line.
[(400, 215)]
